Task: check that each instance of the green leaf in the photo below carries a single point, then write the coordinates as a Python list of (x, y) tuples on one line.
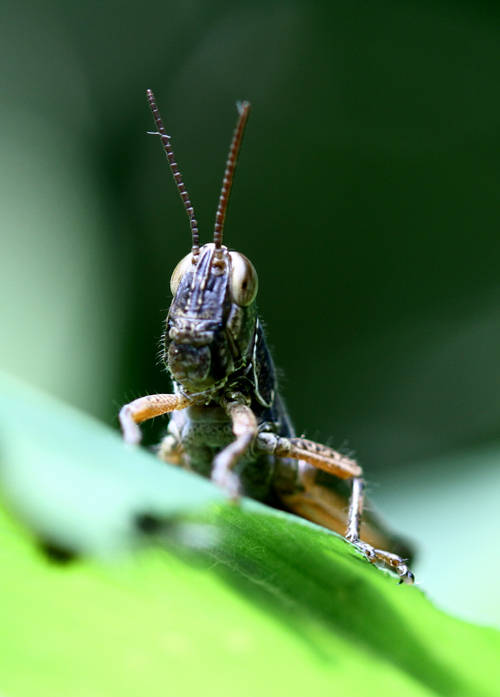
[(208, 598)]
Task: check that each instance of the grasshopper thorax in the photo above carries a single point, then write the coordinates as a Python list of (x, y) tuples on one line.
[(211, 323)]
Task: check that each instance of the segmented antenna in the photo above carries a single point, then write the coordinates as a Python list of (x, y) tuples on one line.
[(165, 139), (244, 111)]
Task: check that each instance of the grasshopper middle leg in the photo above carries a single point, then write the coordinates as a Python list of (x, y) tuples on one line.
[(320, 505)]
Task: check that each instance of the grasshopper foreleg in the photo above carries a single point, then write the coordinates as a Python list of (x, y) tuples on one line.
[(171, 449), (245, 428), (144, 408), (320, 505)]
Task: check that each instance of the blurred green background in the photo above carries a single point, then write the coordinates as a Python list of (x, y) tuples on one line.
[(367, 197)]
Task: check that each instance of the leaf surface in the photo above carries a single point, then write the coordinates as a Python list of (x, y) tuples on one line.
[(207, 598)]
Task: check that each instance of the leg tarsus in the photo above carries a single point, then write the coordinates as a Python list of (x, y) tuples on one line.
[(391, 560), (405, 575), (171, 451), (222, 473), (365, 548), (323, 501), (130, 429)]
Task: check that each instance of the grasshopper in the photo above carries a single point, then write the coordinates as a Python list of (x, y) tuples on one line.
[(228, 421)]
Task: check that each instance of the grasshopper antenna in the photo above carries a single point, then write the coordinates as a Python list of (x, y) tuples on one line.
[(244, 111), (165, 139)]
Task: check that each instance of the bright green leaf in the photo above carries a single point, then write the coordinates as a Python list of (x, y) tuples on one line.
[(246, 600)]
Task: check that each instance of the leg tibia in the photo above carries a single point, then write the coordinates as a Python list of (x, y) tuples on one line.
[(326, 507)]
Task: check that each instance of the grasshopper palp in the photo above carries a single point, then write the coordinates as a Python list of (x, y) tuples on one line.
[(227, 419)]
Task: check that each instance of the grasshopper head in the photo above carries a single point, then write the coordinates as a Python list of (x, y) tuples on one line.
[(211, 323), (212, 319)]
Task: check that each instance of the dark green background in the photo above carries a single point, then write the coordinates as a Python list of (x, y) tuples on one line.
[(367, 197)]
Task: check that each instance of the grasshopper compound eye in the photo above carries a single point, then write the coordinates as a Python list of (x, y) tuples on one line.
[(179, 272), (243, 282)]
